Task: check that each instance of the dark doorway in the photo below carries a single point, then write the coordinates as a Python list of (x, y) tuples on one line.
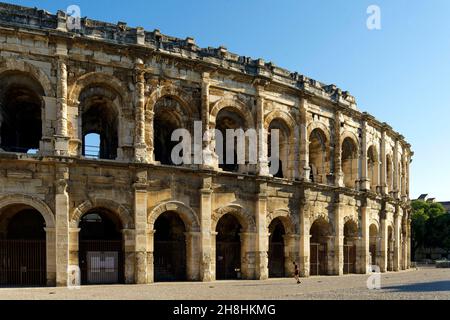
[(21, 107), (320, 232), (228, 249), (350, 240), (23, 250), (276, 250), (170, 248), (100, 116), (228, 119), (100, 248)]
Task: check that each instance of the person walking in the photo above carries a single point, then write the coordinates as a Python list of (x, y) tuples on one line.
[(296, 273)]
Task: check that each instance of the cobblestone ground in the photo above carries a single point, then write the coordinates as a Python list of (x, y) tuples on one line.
[(425, 283)]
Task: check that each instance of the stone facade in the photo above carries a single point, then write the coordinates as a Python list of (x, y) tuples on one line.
[(345, 181)]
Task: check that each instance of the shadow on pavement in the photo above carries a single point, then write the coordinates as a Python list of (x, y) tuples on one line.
[(437, 286)]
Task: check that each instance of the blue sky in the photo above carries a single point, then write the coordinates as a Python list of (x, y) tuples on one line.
[(400, 74)]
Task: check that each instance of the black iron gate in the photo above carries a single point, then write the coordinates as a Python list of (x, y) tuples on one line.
[(170, 261), (276, 260), (101, 262), (23, 263), (349, 259), (318, 259), (228, 260)]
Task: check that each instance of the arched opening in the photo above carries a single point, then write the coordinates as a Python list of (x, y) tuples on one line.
[(389, 174), (350, 162), (390, 253), (169, 248), (320, 235), (228, 119), (284, 150), (350, 242), (228, 248), (101, 255), (318, 156), (21, 107), (373, 245), (276, 249), (373, 168), (22, 247), (100, 116), (168, 118)]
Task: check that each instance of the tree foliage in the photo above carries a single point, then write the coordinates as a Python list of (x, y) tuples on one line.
[(430, 226)]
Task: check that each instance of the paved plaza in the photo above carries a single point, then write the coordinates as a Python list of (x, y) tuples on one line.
[(425, 283)]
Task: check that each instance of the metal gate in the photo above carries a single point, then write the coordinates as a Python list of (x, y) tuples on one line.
[(276, 260), (23, 263), (101, 262), (349, 259), (170, 261), (228, 260), (318, 259)]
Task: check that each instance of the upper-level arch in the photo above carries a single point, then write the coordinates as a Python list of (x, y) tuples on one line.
[(286, 151), (98, 78), (9, 65), (176, 93), (101, 100), (236, 105)]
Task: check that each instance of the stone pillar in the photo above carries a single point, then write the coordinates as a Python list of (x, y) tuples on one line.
[(61, 136), (365, 183), (129, 245), (193, 240), (74, 249), (397, 244), (291, 253), (140, 148), (396, 173), (248, 260), (405, 244), (149, 117), (304, 169), (150, 255), (50, 241), (408, 161), (404, 195), (262, 234), (338, 238), (408, 260), (304, 239), (383, 177), (384, 244), (210, 158), (213, 255), (207, 272), (62, 225), (263, 161), (338, 174), (140, 220), (365, 239)]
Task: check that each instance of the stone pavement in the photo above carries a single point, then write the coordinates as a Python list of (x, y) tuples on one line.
[(425, 283)]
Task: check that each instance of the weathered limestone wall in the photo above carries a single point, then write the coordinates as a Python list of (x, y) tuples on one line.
[(132, 74)]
